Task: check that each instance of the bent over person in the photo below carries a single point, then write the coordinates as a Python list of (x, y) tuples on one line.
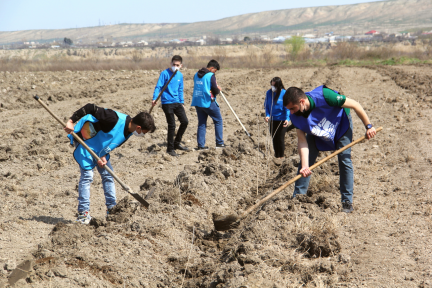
[(323, 121), (204, 99), (173, 104), (102, 130)]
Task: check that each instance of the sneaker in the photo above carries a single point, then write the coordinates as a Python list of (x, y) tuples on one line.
[(172, 153), (347, 207), (221, 146), (202, 148), (83, 218), (180, 147)]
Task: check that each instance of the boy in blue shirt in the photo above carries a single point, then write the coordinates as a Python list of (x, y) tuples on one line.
[(324, 115), (103, 130), (173, 104), (204, 100)]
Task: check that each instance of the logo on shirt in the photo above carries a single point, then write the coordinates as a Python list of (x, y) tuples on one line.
[(325, 130), (339, 98)]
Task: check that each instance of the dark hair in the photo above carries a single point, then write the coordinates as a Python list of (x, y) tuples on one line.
[(177, 58), (213, 63), (278, 85), (293, 96), (145, 120)]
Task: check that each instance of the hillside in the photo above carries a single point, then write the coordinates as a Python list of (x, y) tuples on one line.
[(386, 16)]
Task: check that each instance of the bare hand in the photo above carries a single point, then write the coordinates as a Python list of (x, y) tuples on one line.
[(154, 103), (102, 162), (370, 133), (305, 172), (69, 127), (285, 124), (219, 88), (267, 119)]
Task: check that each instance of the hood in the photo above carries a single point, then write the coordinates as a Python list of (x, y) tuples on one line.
[(202, 72)]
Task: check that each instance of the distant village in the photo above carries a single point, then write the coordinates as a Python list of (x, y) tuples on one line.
[(109, 42)]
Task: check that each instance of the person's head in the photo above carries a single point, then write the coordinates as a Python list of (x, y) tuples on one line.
[(295, 100), (144, 122), (276, 82), (213, 66), (176, 62)]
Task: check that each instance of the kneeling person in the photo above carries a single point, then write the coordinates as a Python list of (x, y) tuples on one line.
[(323, 114), (103, 130)]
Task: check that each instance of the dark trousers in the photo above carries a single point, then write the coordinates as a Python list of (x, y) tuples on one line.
[(277, 132), (178, 110)]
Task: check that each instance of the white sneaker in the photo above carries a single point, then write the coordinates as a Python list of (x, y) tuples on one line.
[(83, 218)]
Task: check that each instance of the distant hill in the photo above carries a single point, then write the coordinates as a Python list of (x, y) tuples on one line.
[(387, 16)]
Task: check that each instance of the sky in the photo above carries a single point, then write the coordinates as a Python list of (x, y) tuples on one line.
[(18, 15)]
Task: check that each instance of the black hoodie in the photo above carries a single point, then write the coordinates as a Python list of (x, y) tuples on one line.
[(213, 87)]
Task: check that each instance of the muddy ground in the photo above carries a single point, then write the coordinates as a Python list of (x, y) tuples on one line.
[(305, 242)]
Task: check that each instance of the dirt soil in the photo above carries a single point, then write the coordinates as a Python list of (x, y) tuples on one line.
[(307, 241)]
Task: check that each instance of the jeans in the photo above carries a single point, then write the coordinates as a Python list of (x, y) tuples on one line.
[(214, 112), (346, 170), (84, 188), (178, 110)]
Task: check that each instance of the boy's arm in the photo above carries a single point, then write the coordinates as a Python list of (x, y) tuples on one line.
[(214, 88), (180, 90), (303, 149), (107, 118), (161, 82), (86, 109), (352, 104)]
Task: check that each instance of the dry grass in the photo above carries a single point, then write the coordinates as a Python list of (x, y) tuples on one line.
[(255, 57)]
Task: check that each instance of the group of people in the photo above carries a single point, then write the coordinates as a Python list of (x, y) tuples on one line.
[(203, 99), (321, 117)]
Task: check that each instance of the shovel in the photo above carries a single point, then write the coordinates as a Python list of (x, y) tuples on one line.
[(77, 138), (163, 89), (232, 110), (232, 221)]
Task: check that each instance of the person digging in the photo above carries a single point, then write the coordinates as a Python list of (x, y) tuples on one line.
[(172, 104), (323, 121), (102, 130)]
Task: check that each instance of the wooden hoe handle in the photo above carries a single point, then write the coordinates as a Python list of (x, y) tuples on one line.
[(250, 209)]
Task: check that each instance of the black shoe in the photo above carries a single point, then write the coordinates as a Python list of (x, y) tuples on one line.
[(180, 147), (221, 146), (202, 148), (173, 153), (347, 207)]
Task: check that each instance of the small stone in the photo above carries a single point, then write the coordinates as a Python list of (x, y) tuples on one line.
[(33, 86), (10, 265), (50, 274), (262, 215), (248, 268), (60, 272), (344, 258)]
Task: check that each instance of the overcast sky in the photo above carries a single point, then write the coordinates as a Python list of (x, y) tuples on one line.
[(59, 14)]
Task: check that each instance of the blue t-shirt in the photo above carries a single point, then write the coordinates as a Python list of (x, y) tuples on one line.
[(275, 109), (174, 92)]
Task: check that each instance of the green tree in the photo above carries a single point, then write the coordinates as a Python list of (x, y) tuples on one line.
[(68, 41), (294, 45), (246, 39)]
